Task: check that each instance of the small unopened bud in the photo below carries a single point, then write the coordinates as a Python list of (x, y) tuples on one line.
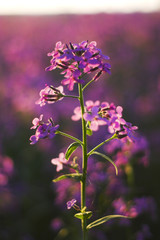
[(71, 46), (97, 75), (120, 135)]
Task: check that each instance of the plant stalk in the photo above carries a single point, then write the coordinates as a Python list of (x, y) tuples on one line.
[(84, 162)]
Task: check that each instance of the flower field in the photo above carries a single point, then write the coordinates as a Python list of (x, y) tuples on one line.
[(32, 207)]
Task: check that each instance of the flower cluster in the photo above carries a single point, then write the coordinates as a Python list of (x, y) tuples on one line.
[(76, 60), (106, 114), (43, 130), (135, 207)]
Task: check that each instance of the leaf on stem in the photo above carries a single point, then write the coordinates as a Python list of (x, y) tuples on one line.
[(81, 215), (76, 176), (72, 147), (103, 220), (108, 159), (89, 132)]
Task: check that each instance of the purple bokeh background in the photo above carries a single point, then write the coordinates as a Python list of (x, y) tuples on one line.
[(28, 197)]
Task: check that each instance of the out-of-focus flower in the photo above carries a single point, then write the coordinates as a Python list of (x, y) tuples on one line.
[(3, 179), (135, 207), (6, 169), (44, 130), (77, 114), (71, 203), (59, 161), (56, 224), (144, 233), (146, 205), (50, 94), (124, 208)]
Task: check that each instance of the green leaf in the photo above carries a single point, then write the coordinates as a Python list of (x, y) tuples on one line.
[(89, 132), (76, 176), (108, 159), (72, 147), (80, 215), (103, 220)]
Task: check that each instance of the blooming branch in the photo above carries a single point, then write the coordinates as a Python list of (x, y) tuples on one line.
[(43, 130)]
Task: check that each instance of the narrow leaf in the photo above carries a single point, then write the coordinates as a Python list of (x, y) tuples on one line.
[(76, 176), (103, 220), (87, 215), (72, 147), (108, 159), (89, 132)]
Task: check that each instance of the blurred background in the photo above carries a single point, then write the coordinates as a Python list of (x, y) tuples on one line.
[(31, 206)]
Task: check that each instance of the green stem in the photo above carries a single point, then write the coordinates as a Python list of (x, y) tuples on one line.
[(71, 96), (84, 162), (87, 84), (99, 145), (69, 136)]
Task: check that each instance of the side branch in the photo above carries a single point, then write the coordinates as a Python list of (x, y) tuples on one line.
[(102, 143)]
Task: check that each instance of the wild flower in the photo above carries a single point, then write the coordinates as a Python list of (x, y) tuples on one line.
[(71, 203), (75, 62), (50, 94), (59, 161), (43, 130)]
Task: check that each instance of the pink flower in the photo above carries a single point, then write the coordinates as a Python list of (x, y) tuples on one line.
[(37, 121), (50, 94), (89, 104), (59, 161), (77, 114), (124, 208)]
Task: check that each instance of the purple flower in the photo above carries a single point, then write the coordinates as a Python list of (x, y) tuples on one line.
[(128, 131), (78, 113), (56, 224), (59, 161), (71, 78), (50, 95), (71, 203), (146, 204), (104, 114), (44, 130), (58, 51), (94, 118), (77, 59), (116, 120), (143, 233)]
